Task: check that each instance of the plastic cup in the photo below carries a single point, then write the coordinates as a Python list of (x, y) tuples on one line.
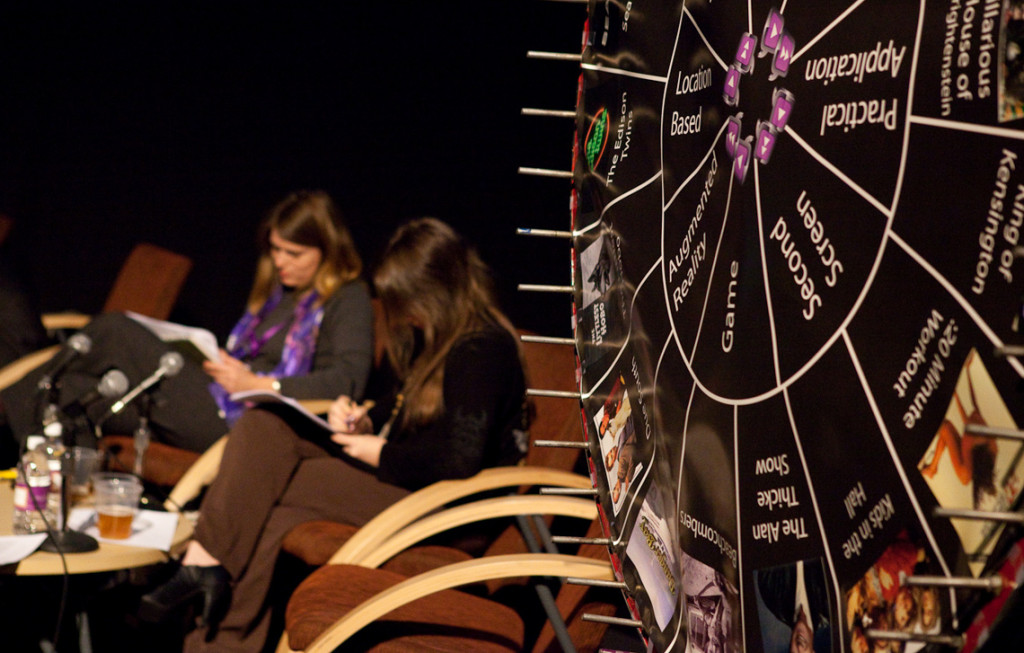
[(117, 500), (83, 462)]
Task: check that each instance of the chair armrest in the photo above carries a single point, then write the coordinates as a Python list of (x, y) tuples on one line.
[(14, 371), (461, 573), (199, 475), (316, 406), (428, 499), (523, 504), (66, 320)]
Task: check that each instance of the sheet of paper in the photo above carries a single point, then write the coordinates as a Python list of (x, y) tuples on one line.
[(17, 547), (204, 341), (151, 528)]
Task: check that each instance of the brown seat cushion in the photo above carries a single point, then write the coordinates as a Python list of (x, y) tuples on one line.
[(164, 465), (314, 542), (445, 621)]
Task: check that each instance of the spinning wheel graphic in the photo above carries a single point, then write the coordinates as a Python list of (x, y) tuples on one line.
[(795, 232)]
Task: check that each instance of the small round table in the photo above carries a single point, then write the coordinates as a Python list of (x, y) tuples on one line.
[(109, 556)]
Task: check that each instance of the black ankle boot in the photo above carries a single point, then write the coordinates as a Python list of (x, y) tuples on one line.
[(190, 583)]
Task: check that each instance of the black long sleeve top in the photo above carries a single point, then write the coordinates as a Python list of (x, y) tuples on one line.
[(483, 422)]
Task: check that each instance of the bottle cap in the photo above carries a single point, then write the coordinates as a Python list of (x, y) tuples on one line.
[(54, 429)]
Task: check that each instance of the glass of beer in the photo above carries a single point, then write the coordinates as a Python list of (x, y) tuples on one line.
[(117, 499)]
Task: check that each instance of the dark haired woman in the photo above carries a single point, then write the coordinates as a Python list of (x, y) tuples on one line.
[(307, 333), (459, 407)]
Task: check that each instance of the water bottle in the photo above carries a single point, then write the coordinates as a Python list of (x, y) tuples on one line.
[(53, 448), (32, 490)]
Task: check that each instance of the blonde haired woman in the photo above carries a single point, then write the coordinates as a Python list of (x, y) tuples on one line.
[(307, 333)]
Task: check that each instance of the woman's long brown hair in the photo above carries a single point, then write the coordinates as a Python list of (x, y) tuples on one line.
[(308, 218), (433, 285)]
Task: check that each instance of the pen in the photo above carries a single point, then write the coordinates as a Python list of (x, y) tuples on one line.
[(351, 420)]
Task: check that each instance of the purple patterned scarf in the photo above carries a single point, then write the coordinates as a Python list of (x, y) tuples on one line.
[(299, 344)]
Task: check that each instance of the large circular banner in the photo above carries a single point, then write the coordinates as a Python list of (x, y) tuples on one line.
[(795, 227)]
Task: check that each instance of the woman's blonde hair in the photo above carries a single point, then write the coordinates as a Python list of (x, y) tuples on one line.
[(308, 218), (434, 289)]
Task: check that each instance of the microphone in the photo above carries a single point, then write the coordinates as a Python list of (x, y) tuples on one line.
[(170, 364), (77, 345), (112, 384)]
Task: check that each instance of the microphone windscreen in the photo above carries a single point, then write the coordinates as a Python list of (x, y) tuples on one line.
[(172, 362), (80, 342), (113, 384)]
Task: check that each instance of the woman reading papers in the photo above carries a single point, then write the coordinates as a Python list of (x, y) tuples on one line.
[(307, 333)]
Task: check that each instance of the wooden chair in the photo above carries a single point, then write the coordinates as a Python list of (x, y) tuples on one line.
[(334, 605), (149, 282), (548, 366), (393, 539)]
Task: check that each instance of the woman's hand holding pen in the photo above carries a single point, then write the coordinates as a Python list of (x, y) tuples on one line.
[(346, 416), (351, 425)]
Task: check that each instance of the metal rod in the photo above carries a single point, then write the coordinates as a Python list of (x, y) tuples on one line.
[(991, 583), (575, 539), (544, 592), (568, 492), (562, 394), (994, 432), (544, 533), (561, 443), (553, 113), (553, 56), (539, 287), (552, 233), (613, 621), (979, 515), (1010, 350), (595, 582), (548, 340), (945, 640), (545, 172)]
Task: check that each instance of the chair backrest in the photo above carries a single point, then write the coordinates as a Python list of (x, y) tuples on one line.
[(553, 367), (149, 282), (548, 367), (14, 371)]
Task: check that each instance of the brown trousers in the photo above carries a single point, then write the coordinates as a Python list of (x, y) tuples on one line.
[(270, 480)]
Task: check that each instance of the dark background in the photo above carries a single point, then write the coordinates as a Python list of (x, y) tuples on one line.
[(182, 123)]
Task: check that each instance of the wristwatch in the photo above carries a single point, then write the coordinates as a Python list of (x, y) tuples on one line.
[(276, 386)]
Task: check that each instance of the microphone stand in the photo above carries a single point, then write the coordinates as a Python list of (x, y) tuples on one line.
[(142, 433), (64, 540)]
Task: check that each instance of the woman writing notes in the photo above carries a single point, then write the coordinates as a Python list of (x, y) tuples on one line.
[(458, 408), (307, 333)]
